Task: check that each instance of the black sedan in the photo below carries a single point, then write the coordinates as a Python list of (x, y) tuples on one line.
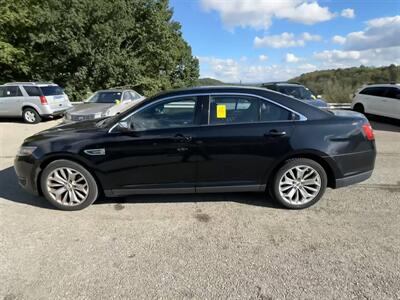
[(201, 140)]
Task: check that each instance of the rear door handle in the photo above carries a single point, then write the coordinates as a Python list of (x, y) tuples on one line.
[(275, 133)]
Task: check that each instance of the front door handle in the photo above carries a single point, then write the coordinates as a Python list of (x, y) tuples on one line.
[(275, 133), (182, 138)]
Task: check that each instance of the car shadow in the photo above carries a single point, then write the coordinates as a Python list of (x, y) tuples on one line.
[(11, 191), (384, 124)]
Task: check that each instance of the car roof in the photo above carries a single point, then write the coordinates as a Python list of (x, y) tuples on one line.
[(281, 99), (31, 83), (282, 83), (382, 85)]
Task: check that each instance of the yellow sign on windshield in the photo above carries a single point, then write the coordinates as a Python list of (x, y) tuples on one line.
[(221, 111)]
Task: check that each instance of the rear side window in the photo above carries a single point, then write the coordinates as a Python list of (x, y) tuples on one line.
[(10, 91), (240, 109), (32, 91), (51, 90), (374, 91), (234, 109), (393, 93), (271, 112)]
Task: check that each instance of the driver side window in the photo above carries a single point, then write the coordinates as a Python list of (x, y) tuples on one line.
[(166, 114)]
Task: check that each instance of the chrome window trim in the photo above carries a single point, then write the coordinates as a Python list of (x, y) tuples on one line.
[(301, 117)]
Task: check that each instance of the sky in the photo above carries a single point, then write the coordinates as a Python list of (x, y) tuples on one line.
[(252, 41)]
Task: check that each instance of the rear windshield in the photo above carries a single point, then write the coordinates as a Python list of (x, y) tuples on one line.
[(298, 92), (51, 90)]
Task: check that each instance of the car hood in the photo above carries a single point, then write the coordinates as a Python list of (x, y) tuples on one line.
[(90, 108), (77, 127)]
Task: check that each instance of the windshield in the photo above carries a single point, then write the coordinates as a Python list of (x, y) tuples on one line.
[(299, 92), (51, 90), (105, 97)]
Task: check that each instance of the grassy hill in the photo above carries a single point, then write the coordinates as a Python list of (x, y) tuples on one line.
[(209, 82), (339, 85)]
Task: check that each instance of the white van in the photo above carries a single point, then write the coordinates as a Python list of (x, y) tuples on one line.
[(32, 101)]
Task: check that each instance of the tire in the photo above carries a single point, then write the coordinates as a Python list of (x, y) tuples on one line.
[(359, 108), (79, 185), (314, 175), (31, 116)]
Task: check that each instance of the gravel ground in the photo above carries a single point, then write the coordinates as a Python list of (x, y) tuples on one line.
[(203, 246)]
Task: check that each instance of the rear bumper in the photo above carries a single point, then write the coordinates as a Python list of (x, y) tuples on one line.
[(346, 181), (354, 167)]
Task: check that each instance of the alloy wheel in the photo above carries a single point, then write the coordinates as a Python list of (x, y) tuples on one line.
[(30, 116), (300, 185), (67, 186)]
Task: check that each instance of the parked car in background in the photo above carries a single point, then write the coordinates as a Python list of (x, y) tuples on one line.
[(378, 99), (104, 103), (32, 100), (201, 140), (296, 90)]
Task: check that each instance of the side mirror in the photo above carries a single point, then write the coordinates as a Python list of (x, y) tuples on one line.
[(125, 126)]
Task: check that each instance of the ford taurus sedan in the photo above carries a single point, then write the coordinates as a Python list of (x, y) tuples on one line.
[(201, 140)]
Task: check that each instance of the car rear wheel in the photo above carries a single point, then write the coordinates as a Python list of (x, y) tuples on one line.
[(299, 183), (31, 116), (68, 186), (359, 108)]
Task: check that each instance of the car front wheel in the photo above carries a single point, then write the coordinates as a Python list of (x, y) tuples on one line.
[(68, 186), (299, 183)]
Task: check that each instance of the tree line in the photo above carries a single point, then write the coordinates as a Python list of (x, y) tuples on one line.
[(86, 45), (339, 85)]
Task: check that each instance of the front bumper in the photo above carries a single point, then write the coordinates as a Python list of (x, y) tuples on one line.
[(27, 173)]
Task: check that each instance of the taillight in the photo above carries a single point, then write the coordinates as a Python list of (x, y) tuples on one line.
[(43, 100), (369, 133)]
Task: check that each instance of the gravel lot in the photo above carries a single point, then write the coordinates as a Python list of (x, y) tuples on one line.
[(203, 246)]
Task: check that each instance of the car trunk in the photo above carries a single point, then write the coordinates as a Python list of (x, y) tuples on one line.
[(55, 97)]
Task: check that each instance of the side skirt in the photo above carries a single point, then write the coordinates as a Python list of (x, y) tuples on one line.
[(211, 189)]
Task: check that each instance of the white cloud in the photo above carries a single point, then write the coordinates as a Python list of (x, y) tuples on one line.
[(263, 57), (259, 14), (370, 57), (285, 40), (232, 71), (348, 13), (379, 33), (337, 39), (291, 58), (311, 37)]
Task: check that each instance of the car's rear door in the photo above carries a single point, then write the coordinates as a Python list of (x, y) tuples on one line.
[(243, 137), (159, 155)]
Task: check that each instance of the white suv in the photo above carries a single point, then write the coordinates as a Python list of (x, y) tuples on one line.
[(33, 101), (378, 99)]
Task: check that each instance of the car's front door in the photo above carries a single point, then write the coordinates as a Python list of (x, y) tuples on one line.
[(243, 138), (392, 103), (158, 155)]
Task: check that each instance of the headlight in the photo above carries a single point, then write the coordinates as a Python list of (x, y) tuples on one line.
[(26, 150), (97, 115)]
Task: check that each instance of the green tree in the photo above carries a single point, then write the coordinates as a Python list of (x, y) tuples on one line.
[(85, 45)]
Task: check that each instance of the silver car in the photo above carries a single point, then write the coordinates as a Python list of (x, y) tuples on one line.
[(103, 103), (32, 100)]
